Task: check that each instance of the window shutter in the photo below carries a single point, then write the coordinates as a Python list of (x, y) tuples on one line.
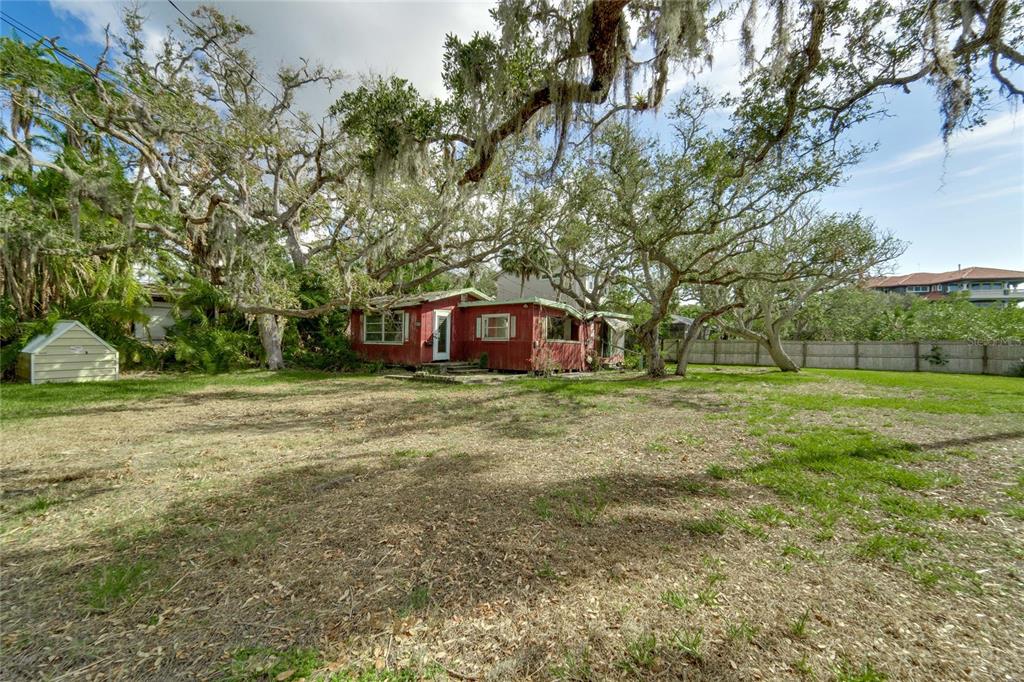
[(362, 323), (479, 327), (511, 326), (567, 329), (544, 328), (405, 327)]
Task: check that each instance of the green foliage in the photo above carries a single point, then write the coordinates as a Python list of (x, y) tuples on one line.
[(641, 653), (676, 599), (253, 664), (707, 527), (854, 314), (212, 349), (22, 401), (207, 340), (717, 472), (111, 584), (690, 642), (321, 342), (392, 122), (417, 599), (38, 505), (109, 304), (798, 626)]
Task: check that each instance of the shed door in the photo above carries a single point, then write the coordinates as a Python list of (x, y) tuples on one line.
[(442, 334)]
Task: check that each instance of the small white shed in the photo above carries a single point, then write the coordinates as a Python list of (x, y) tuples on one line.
[(71, 352)]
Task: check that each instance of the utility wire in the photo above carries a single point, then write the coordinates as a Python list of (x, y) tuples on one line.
[(20, 26), (238, 63), (74, 61)]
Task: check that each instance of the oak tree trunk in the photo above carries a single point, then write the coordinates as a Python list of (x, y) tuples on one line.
[(686, 344), (649, 339), (779, 357), (271, 335)]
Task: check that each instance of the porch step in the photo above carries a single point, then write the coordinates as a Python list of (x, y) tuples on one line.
[(453, 368)]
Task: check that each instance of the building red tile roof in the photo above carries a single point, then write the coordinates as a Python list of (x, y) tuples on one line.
[(925, 278)]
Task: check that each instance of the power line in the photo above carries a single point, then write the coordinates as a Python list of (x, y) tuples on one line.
[(238, 63), (74, 61)]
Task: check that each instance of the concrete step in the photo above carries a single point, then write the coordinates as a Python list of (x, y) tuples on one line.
[(452, 367)]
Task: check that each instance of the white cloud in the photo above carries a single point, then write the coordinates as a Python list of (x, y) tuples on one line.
[(404, 38), (1009, 190), (990, 162), (1004, 131)]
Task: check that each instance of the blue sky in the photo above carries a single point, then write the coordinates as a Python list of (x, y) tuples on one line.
[(961, 206)]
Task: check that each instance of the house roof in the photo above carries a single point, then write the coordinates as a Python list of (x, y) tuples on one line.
[(422, 297), (925, 278), (609, 313), (617, 323), (60, 329), (680, 319), (546, 302)]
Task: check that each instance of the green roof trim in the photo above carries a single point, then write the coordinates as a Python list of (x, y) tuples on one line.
[(408, 300), (547, 303)]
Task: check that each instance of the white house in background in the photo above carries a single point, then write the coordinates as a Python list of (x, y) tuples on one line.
[(511, 286), (160, 319)]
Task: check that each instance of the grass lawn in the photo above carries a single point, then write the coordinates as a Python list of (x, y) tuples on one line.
[(737, 524)]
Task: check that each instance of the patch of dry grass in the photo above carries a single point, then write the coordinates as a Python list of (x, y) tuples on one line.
[(548, 529)]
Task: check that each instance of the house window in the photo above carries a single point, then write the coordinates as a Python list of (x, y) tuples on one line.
[(556, 328), (561, 329), (917, 289), (495, 327), (385, 327)]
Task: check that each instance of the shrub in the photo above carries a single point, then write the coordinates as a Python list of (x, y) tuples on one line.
[(213, 349)]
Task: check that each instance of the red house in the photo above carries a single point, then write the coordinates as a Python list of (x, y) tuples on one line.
[(529, 334)]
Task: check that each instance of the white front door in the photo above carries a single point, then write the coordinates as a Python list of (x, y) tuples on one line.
[(442, 334)]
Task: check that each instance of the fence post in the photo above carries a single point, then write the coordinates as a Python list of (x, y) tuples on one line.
[(856, 354), (803, 360), (917, 356), (714, 352), (984, 358), (757, 354)]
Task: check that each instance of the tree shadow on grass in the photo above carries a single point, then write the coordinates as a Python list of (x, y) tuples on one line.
[(27, 402), (495, 410), (973, 440), (335, 553)]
